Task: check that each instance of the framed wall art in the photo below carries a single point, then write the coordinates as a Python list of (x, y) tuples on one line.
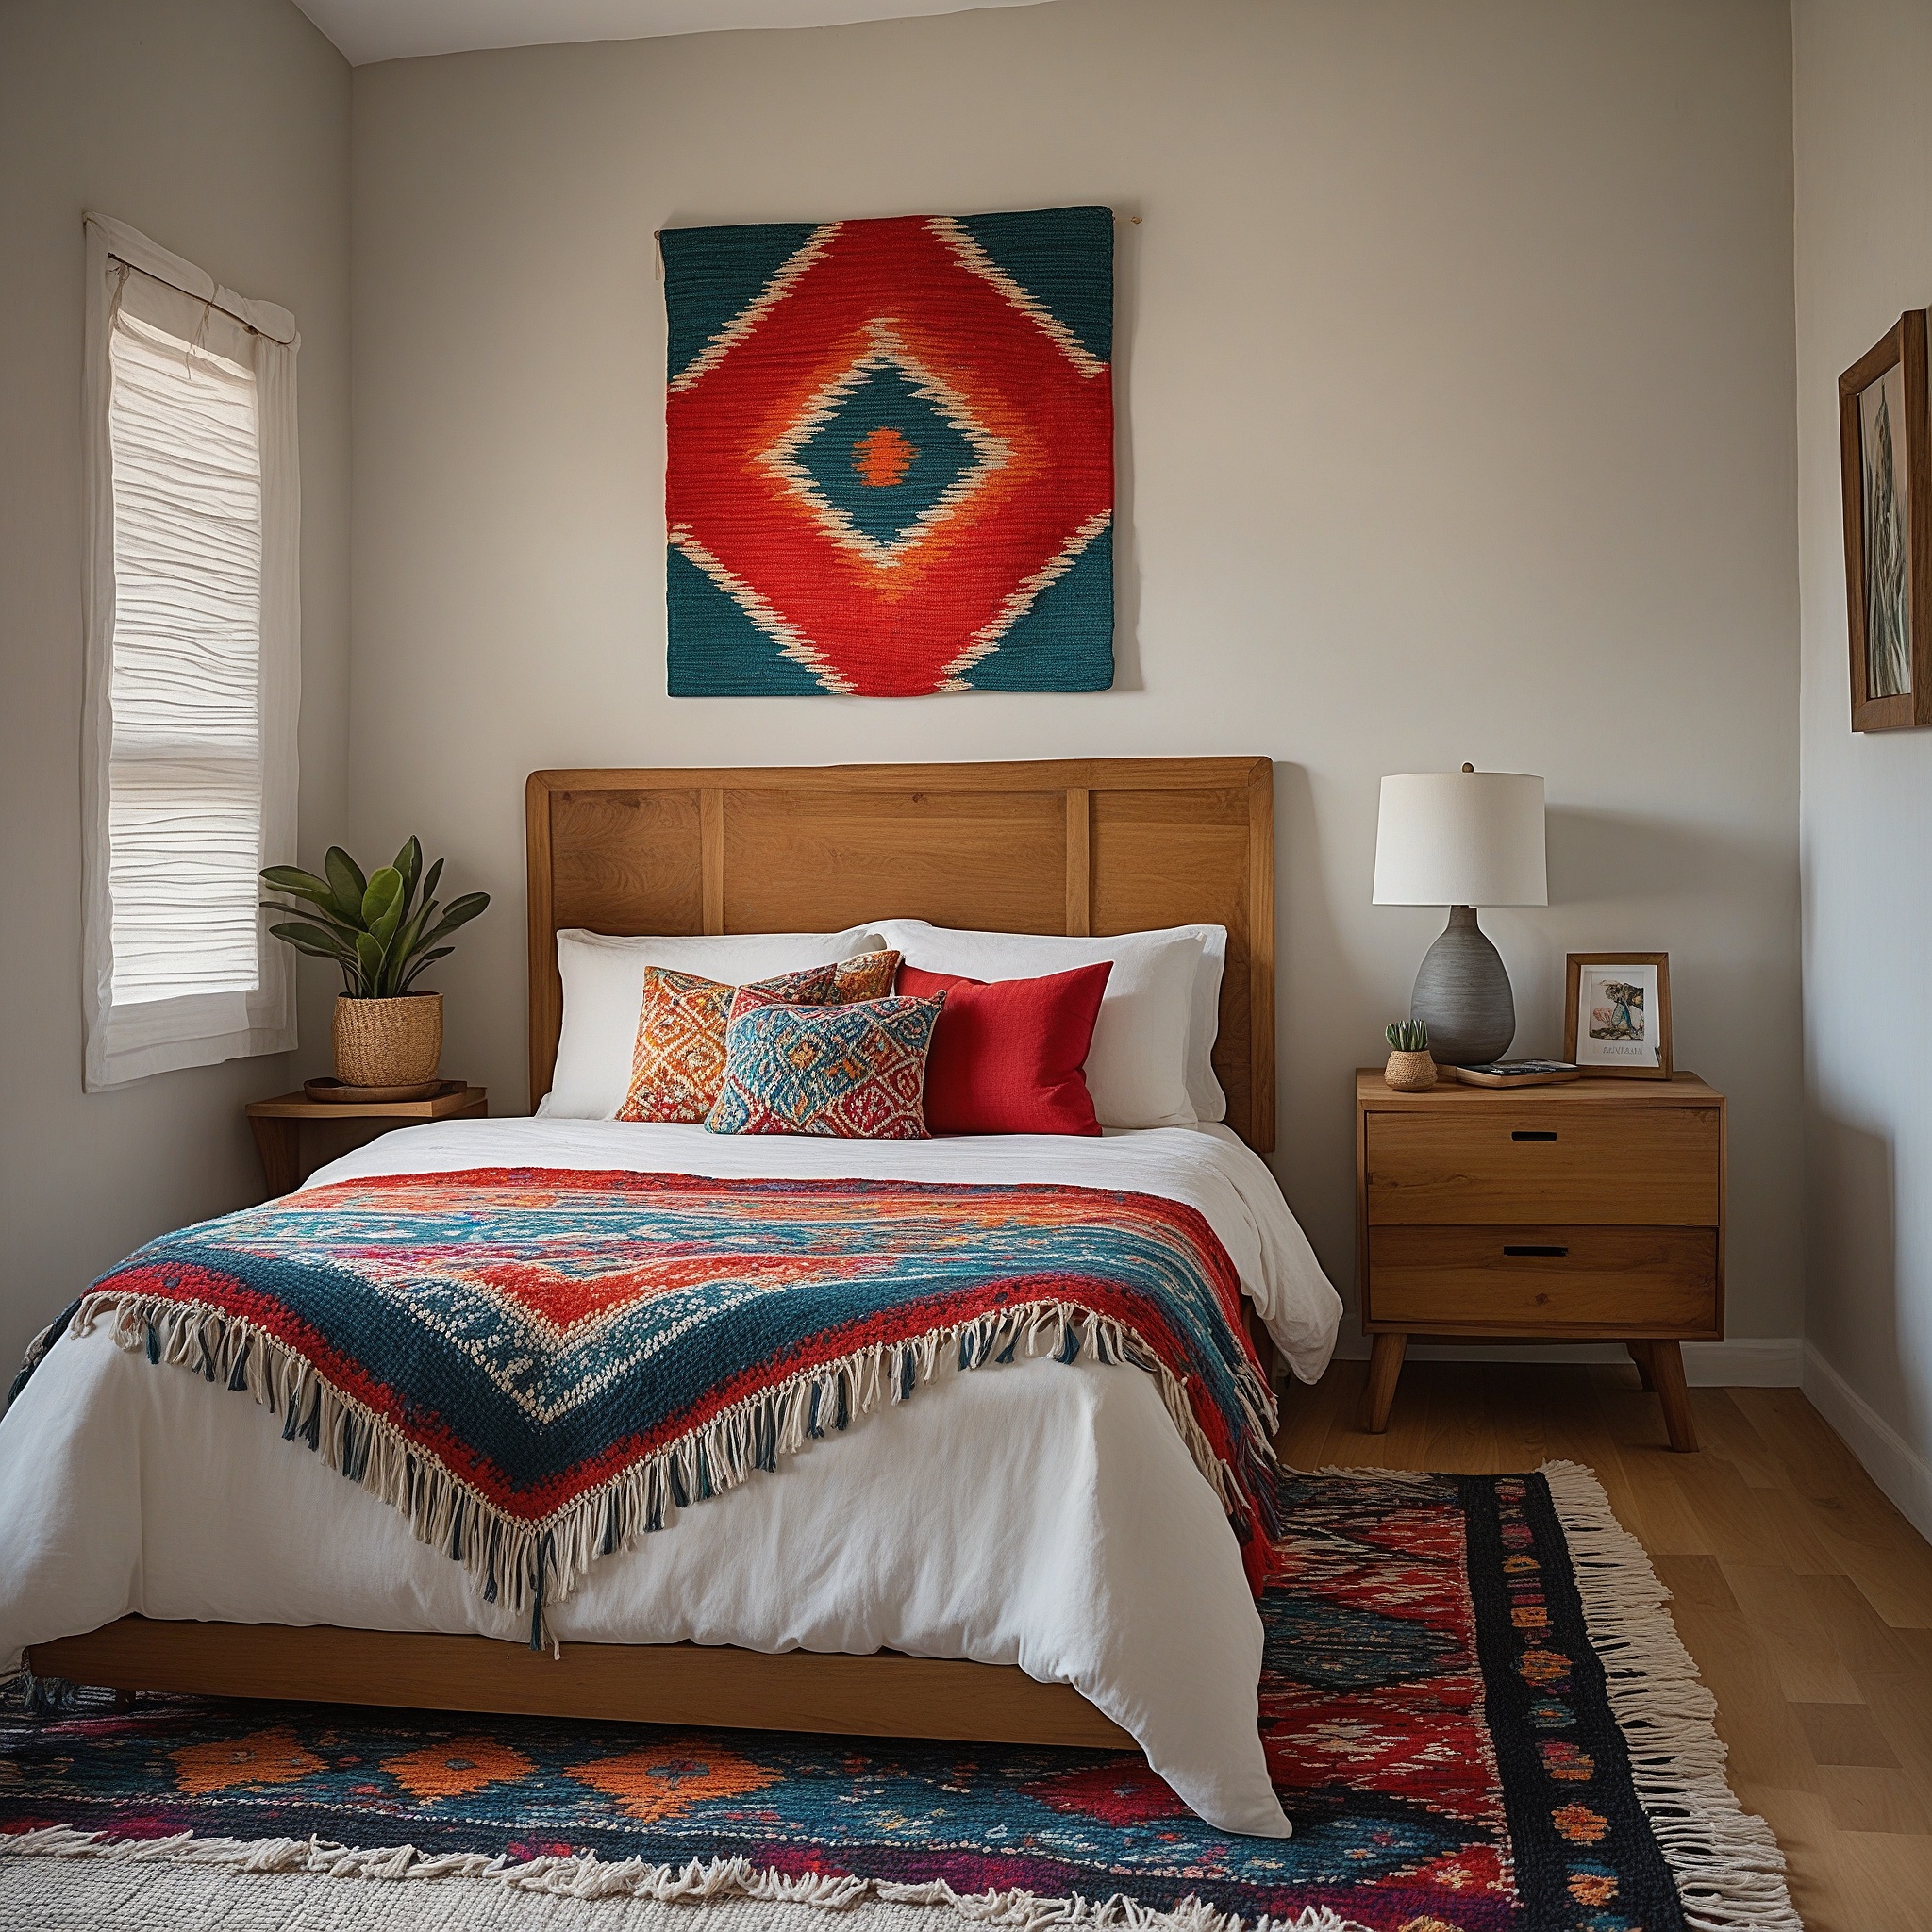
[(889, 456), (1617, 1014), (1885, 443)]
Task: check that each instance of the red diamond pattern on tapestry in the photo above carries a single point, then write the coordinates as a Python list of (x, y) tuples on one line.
[(890, 467)]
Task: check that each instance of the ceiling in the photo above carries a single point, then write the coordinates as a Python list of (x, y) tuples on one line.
[(367, 30)]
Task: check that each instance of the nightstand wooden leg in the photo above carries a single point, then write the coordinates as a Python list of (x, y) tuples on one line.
[(1384, 1370), (1639, 1354), (1667, 1369), (279, 1145)]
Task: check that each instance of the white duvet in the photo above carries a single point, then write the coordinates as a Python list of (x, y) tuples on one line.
[(1035, 1514)]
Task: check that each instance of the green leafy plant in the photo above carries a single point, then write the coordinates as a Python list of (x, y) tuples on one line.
[(375, 928), (1409, 1036)]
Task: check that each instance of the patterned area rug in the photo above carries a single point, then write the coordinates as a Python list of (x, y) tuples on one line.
[(1476, 1711)]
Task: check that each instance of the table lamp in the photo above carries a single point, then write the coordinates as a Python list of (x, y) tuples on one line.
[(1462, 839)]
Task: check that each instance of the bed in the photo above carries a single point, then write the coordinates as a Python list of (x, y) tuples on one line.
[(946, 1610)]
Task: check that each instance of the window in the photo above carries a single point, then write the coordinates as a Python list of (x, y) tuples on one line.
[(192, 643), (184, 788)]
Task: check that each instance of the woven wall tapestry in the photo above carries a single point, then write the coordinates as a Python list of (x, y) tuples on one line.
[(889, 455)]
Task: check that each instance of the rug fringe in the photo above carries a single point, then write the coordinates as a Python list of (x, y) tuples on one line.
[(1728, 1869), (1726, 1863), (587, 1876), (524, 1563)]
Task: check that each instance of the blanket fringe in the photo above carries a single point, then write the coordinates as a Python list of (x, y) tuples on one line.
[(587, 1876), (523, 1562), (1726, 1861)]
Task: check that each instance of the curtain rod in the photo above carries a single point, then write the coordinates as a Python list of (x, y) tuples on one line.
[(657, 234), (269, 320)]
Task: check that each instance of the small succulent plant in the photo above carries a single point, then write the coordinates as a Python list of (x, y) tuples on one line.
[(372, 927), (1409, 1036)]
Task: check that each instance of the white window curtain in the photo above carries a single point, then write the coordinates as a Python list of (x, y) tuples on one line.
[(193, 648)]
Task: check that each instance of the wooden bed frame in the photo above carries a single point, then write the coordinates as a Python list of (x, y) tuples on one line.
[(1083, 846)]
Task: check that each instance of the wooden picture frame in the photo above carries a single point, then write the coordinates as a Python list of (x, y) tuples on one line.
[(1888, 542), (1654, 970)]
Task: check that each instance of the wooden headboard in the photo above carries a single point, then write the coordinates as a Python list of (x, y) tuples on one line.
[(1070, 845)]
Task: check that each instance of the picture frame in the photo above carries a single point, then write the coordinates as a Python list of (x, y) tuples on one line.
[(1885, 452), (1617, 1014)]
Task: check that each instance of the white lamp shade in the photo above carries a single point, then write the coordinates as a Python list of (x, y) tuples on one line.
[(1461, 839)]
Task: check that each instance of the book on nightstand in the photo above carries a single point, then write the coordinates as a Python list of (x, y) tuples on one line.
[(1517, 1073)]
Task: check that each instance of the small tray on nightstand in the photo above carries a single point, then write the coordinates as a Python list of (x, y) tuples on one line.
[(340, 1093)]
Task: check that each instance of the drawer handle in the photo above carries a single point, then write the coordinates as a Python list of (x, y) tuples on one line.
[(1529, 1248), (1532, 1133)]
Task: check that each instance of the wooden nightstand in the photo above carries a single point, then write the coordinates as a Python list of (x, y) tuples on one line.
[(276, 1125), (1592, 1211)]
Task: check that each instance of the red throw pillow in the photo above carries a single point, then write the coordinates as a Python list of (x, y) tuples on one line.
[(1007, 1054)]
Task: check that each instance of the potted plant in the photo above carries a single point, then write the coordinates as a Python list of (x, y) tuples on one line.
[(385, 1034), (1411, 1067)]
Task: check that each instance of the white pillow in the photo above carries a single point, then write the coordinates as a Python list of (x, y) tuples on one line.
[(603, 990), (1150, 1064)]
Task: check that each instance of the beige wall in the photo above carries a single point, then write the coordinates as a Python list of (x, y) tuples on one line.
[(221, 128), (1456, 409), (1863, 76)]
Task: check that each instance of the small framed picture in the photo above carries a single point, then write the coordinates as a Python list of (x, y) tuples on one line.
[(1885, 452), (1617, 1014)]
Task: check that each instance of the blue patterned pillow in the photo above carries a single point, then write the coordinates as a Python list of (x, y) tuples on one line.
[(857, 1073)]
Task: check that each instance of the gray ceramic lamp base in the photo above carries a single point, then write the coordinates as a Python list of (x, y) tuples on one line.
[(1462, 993)]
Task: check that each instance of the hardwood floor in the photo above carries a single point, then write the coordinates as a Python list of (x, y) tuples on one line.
[(1803, 1595)]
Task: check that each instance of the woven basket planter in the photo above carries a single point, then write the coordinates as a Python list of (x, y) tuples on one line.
[(1411, 1072), (387, 1043)]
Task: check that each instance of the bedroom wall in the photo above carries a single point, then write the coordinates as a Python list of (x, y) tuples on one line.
[(1455, 381), (1863, 72), (221, 128)]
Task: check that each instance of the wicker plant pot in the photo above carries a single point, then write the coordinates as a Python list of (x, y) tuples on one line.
[(387, 1043), (1411, 1072)]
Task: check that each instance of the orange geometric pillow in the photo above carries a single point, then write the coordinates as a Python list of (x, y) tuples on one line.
[(678, 1063), (864, 976)]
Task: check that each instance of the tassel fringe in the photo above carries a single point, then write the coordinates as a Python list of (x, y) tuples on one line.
[(591, 1877), (523, 1564), (1729, 1872)]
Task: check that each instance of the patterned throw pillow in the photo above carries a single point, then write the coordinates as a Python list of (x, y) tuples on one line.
[(677, 1064), (864, 976), (855, 1073)]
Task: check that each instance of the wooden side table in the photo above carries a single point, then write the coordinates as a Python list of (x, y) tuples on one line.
[(1591, 1211), (276, 1125)]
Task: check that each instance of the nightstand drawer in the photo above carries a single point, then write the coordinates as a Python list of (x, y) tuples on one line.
[(1546, 1280), (1628, 1165)]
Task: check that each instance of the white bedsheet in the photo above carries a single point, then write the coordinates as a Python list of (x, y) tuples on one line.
[(1033, 1514)]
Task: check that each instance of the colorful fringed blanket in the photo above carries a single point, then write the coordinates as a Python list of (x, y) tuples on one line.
[(536, 1366)]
